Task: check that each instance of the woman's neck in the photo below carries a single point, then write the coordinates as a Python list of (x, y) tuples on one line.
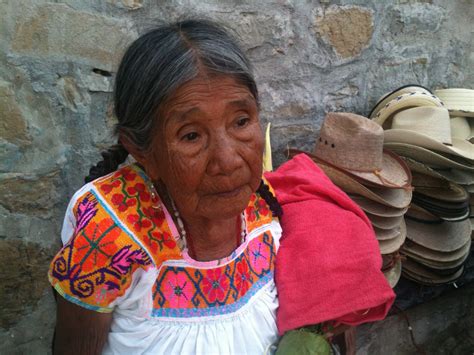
[(211, 240)]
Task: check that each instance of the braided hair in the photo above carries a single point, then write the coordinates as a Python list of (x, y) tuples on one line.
[(155, 66), (264, 191)]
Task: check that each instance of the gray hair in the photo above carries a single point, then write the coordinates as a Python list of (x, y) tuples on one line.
[(155, 66)]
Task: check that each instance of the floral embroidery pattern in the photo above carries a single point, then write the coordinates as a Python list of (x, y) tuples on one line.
[(94, 267), (127, 192), (257, 212), (186, 291)]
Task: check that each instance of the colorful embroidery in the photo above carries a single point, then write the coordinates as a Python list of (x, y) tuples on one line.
[(127, 193), (191, 292), (96, 265)]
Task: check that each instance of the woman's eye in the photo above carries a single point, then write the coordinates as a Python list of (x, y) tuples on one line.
[(190, 136), (243, 121)]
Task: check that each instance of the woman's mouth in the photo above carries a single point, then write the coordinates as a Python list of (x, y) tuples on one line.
[(230, 193)]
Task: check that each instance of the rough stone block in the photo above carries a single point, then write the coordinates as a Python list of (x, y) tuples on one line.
[(348, 29), (56, 29), (30, 194), (23, 275), (13, 126)]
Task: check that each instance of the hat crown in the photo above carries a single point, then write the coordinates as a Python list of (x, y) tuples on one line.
[(428, 120), (351, 141)]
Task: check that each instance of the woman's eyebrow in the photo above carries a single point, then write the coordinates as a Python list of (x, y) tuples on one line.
[(247, 102)]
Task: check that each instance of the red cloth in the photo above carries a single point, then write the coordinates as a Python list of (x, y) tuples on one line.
[(328, 264)]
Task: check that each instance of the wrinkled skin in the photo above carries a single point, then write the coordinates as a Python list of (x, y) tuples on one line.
[(207, 155)]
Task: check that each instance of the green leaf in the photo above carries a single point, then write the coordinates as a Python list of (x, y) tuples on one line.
[(303, 342)]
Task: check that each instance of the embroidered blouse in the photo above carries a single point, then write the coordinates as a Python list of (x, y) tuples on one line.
[(124, 256)]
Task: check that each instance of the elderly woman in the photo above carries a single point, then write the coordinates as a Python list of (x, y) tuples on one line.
[(174, 253)]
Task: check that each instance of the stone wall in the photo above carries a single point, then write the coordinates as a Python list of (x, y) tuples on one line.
[(57, 65)]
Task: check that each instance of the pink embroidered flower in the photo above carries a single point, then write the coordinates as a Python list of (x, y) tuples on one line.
[(242, 277), (215, 285), (178, 290), (259, 255), (140, 190), (138, 222), (122, 203)]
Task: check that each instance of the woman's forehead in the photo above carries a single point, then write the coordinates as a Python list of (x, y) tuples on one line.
[(209, 90)]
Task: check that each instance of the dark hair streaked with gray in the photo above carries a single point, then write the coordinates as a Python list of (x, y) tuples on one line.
[(155, 66)]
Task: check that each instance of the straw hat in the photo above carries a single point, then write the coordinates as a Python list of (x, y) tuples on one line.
[(396, 240), (428, 127), (420, 214), (462, 128), (430, 157), (383, 115), (405, 89), (460, 102), (354, 144), (420, 274), (445, 237), (376, 208), (384, 222), (457, 176), (398, 198), (433, 256), (392, 268), (436, 264)]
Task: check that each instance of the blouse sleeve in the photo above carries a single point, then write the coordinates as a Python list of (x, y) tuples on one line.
[(95, 266)]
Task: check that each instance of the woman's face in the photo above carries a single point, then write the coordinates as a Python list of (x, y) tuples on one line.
[(208, 152)]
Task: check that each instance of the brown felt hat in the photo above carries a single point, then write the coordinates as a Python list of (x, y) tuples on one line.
[(354, 144)]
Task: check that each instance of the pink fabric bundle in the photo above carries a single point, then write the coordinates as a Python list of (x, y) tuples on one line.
[(328, 264)]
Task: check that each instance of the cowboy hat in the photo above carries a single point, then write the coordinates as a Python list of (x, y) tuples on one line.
[(406, 89), (376, 208), (436, 256), (392, 244), (423, 275), (462, 128), (455, 175), (427, 127), (383, 115), (398, 198), (384, 222), (355, 144), (392, 268), (420, 214), (430, 157), (436, 264), (446, 236), (459, 102)]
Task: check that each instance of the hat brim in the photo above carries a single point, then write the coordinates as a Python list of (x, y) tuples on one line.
[(393, 174), (457, 176), (393, 275), (432, 158), (459, 147), (419, 274), (393, 94), (377, 208), (437, 264), (386, 223), (454, 193), (458, 101), (401, 102), (392, 245), (436, 256), (387, 234), (398, 198), (444, 237)]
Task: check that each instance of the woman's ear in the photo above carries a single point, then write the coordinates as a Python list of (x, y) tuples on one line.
[(145, 159)]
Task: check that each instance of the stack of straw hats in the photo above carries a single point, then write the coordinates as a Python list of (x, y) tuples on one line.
[(350, 151), (418, 127)]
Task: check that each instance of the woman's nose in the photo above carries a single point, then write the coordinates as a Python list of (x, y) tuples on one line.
[(224, 157)]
